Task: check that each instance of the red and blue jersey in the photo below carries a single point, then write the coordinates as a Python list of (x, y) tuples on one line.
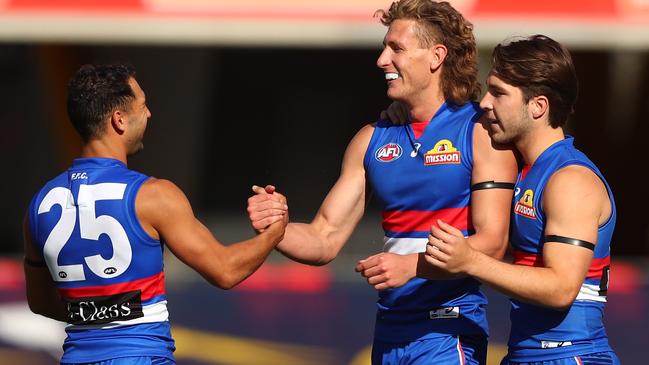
[(539, 333), (418, 178), (108, 270)]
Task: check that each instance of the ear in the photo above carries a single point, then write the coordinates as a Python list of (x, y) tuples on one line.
[(118, 121), (539, 106), (438, 55)]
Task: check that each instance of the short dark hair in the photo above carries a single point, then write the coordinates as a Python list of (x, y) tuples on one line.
[(439, 22), (539, 65), (94, 92)]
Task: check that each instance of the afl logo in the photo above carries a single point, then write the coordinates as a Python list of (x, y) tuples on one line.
[(388, 152), (110, 270)]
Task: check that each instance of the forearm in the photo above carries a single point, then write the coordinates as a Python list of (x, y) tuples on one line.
[(242, 259), (536, 285), (491, 242), (307, 244), (426, 271), (42, 296)]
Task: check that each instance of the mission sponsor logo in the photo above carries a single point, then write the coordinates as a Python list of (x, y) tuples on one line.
[(525, 205), (388, 153), (443, 153)]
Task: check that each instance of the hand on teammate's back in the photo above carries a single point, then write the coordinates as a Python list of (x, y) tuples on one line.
[(397, 113)]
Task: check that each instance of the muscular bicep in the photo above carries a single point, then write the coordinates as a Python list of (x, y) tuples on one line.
[(574, 202), (490, 208), (164, 210), (344, 205)]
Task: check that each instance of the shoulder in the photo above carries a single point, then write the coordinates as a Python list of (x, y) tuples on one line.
[(575, 179), (355, 152), (159, 195), (485, 149), (468, 112), (574, 186), (362, 138)]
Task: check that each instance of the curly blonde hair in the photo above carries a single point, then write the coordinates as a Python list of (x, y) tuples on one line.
[(439, 22)]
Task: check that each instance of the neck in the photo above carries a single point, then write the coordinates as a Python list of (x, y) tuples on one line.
[(426, 104), (534, 143), (100, 149)]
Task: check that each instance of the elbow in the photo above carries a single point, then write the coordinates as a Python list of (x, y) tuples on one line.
[(325, 259), (497, 248), (223, 281), (562, 301), (328, 255), (226, 285), (53, 313)]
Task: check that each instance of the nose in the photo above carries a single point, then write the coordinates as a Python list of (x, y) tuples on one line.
[(486, 102), (384, 60), (148, 112)]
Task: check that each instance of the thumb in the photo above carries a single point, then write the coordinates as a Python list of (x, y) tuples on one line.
[(270, 189)]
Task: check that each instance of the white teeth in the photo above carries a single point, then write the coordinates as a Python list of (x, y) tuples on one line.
[(391, 76)]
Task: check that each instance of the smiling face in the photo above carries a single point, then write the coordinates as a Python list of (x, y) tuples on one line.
[(507, 115), (407, 66)]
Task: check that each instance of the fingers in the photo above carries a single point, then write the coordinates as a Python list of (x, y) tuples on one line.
[(260, 225), (258, 189), (265, 201), (398, 113), (437, 248), (377, 278), (266, 207), (432, 260), (268, 189), (440, 234), (368, 262), (371, 269), (449, 228)]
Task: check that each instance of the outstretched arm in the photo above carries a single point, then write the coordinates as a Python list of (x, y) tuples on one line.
[(165, 213), (42, 296), (575, 203), (319, 242)]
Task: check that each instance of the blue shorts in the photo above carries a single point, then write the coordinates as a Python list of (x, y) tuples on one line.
[(600, 358), (446, 350), (131, 360)]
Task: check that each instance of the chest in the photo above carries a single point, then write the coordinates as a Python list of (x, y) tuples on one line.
[(415, 172)]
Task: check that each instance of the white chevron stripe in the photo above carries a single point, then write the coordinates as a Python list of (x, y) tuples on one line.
[(590, 292), (404, 246)]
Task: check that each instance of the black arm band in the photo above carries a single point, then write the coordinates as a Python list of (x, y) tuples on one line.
[(34, 263), (570, 241), (492, 185)]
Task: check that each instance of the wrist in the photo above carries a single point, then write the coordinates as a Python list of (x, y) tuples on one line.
[(473, 263)]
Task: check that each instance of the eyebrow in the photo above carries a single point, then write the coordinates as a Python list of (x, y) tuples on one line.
[(495, 87), (388, 41)]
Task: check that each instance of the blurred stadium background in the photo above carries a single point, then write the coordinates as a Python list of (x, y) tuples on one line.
[(252, 92)]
